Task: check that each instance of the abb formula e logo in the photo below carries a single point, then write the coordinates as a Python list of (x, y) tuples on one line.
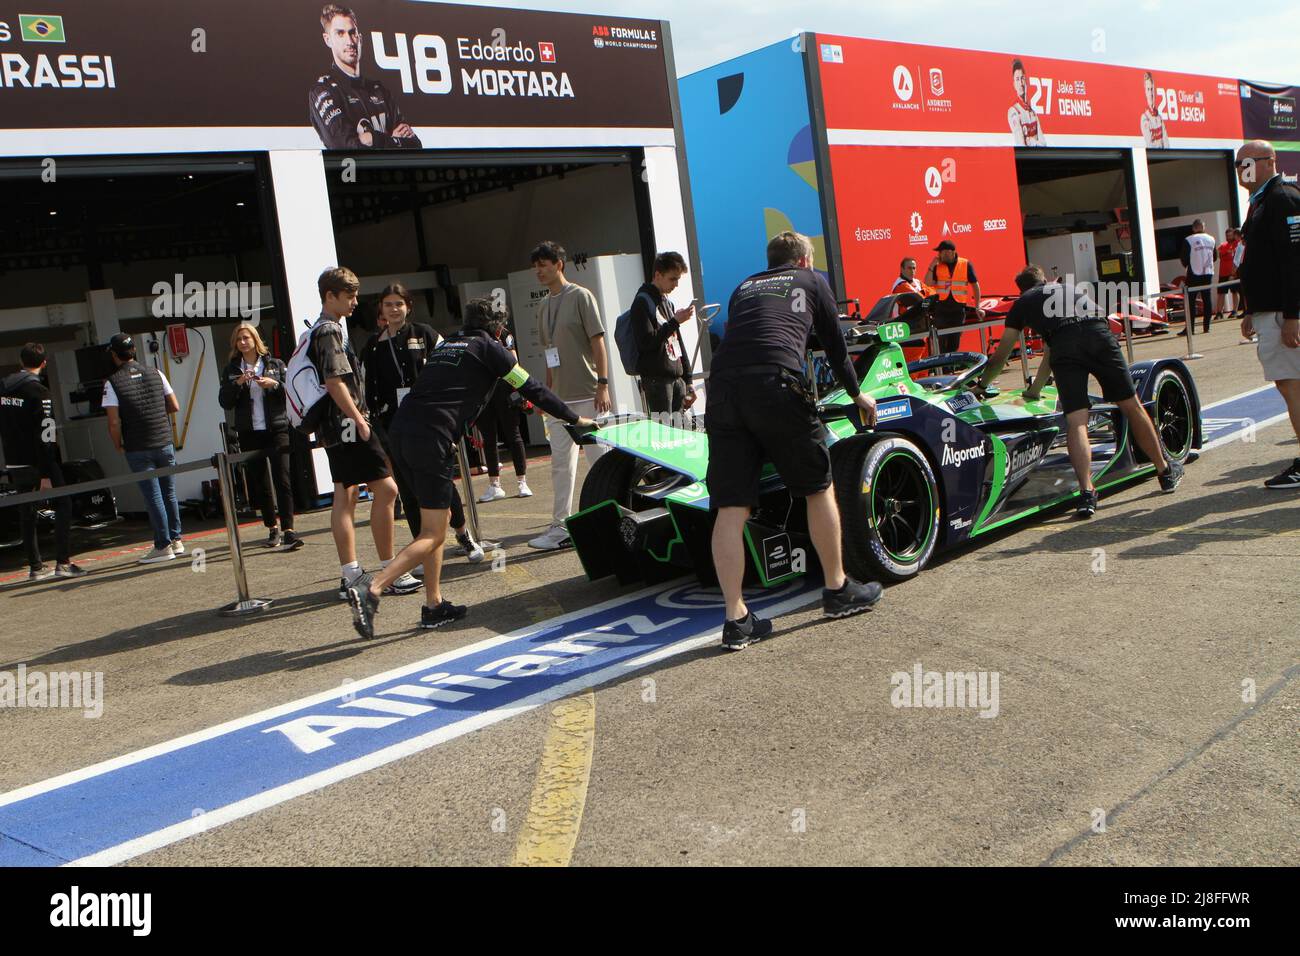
[(902, 83)]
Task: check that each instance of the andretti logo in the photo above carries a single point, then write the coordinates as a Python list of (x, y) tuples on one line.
[(956, 457)]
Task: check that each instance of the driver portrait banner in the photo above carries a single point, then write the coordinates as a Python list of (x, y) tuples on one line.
[(902, 201), (369, 73), (1029, 100)]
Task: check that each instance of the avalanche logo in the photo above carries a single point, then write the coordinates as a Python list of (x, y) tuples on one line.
[(546, 52), (933, 181), (902, 83)]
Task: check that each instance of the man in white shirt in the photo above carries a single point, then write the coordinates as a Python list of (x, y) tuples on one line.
[(1199, 255)]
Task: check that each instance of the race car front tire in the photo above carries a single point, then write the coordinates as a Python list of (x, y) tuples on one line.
[(1172, 414), (889, 507), (619, 476)]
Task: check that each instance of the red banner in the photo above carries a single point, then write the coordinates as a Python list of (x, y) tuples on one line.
[(880, 85), (901, 201)]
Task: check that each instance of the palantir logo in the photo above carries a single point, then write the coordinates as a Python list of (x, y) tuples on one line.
[(902, 83), (933, 181)]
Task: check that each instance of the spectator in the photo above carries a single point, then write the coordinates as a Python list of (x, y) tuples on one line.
[(138, 400), (1198, 256), (392, 361), (253, 388), (907, 280), (577, 369), (661, 350), (29, 437), (1270, 275), (354, 453), (1227, 271), (500, 421), (954, 282)]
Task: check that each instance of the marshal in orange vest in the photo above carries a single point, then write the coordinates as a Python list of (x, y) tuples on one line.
[(953, 283)]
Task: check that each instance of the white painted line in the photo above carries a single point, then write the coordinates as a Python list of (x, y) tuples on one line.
[(1233, 436)]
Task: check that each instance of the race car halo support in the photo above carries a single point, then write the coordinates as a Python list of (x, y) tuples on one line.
[(449, 394), (759, 411), (1078, 343), (1270, 277), (137, 400), (29, 438)]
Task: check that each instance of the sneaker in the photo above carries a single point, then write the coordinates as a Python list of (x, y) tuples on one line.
[(406, 584), (43, 573), (1172, 476), (158, 555), (365, 606), (178, 547), (444, 613), (345, 583), (1087, 506), (275, 538), (737, 635), (468, 546), (493, 492), (524, 490), (1288, 479), (853, 598), (418, 572), (554, 538), (69, 570), (291, 542), (1253, 340)]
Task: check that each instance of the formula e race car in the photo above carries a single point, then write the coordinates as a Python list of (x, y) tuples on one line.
[(942, 467)]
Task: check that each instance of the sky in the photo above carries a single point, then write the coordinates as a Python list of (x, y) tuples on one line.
[(1192, 36)]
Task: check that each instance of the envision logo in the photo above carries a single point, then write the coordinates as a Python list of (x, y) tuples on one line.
[(960, 456)]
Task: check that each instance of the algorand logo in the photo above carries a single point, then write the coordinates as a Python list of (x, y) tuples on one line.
[(959, 456), (902, 83)]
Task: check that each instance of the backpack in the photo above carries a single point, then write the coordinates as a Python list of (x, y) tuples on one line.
[(628, 353), (306, 399)]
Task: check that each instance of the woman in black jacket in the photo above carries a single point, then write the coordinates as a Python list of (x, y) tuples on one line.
[(252, 386)]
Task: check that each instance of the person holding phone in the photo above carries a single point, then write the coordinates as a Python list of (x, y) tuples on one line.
[(661, 352)]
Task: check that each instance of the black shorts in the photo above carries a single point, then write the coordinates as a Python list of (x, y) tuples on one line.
[(427, 460), (1088, 350), (357, 462), (755, 417)]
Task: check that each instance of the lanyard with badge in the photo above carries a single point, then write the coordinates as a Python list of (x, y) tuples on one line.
[(411, 343), (552, 319)]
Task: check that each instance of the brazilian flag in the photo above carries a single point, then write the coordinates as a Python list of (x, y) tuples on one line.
[(41, 28)]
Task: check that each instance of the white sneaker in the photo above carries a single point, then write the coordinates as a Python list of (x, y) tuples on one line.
[(470, 548), (158, 555), (406, 584), (493, 492), (524, 490), (178, 547), (554, 538)]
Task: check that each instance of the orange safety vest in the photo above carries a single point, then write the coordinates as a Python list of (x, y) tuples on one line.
[(953, 285)]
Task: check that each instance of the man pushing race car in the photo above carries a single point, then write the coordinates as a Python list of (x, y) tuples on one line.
[(1079, 343)]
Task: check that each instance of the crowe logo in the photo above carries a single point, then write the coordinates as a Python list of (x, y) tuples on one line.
[(902, 83)]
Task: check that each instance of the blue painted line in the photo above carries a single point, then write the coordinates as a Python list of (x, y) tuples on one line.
[(163, 795), (133, 804)]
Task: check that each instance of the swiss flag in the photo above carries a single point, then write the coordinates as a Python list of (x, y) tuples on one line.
[(547, 52)]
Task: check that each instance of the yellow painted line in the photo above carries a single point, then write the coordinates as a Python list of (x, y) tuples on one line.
[(550, 830)]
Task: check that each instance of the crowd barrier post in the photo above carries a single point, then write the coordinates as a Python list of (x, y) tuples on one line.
[(245, 604)]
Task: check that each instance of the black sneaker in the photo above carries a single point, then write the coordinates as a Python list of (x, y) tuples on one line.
[(444, 613), (1289, 479), (291, 542), (740, 634), (69, 570), (1172, 476), (274, 538), (365, 606), (853, 597), (344, 584), (1087, 506)]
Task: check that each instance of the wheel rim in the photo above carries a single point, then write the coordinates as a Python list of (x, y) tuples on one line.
[(902, 507), (1174, 418), (648, 481)]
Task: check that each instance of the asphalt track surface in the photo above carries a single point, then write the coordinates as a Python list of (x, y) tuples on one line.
[(1124, 694)]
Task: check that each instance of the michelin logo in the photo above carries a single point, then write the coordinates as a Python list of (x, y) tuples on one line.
[(960, 456), (893, 410)]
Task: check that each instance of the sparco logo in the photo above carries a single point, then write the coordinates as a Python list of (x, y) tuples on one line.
[(960, 456), (995, 225)]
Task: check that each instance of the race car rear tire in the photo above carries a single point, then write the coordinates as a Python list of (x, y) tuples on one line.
[(1172, 414), (617, 476), (889, 507)]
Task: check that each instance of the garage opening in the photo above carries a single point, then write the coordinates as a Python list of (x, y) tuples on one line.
[(1192, 185), (1079, 216), (455, 226)]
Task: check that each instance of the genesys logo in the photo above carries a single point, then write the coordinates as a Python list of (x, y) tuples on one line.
[(866, 234), (956, 457)]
